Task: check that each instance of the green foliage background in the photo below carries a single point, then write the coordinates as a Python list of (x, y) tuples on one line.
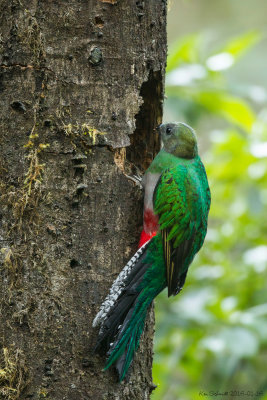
[(213, 336)]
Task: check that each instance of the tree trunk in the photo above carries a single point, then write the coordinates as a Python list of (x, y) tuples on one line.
[(80, 83)]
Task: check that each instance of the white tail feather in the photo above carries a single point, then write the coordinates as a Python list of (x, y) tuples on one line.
[(117, 287)]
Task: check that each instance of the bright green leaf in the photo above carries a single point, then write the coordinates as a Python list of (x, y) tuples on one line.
[(238, 46), (186, 50), (230, 107)]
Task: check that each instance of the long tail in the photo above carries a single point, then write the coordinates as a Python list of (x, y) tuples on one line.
[(123, 323)]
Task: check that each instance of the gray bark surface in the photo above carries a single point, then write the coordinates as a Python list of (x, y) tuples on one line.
[(81, 87)]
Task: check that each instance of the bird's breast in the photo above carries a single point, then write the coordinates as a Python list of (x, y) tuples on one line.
[(150, 219)]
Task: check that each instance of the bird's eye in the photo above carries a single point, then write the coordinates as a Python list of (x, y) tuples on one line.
[(168, 130)]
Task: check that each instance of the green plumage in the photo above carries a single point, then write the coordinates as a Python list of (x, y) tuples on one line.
[(153, 282), (181, 200)]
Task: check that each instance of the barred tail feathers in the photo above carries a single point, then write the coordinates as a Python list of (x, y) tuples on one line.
[(116, 316), (117, 287), (121, 331)]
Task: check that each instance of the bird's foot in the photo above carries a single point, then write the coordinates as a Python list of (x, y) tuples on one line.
[(137, 179)]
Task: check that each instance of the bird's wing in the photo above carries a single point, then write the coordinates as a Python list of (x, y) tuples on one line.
[(176, 201)]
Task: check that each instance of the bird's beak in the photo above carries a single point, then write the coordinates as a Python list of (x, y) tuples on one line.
[(158, 129)]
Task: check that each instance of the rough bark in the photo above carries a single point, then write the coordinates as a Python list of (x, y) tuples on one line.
[(81, 91)]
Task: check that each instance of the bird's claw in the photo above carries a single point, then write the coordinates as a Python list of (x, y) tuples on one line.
[(136, 179)]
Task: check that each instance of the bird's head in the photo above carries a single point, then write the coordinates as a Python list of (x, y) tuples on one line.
[(179, 139)]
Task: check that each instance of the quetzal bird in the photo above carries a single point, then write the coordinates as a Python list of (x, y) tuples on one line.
[(176, 207)]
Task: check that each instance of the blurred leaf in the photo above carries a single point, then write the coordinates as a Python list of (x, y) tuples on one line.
[(220, 62), (238, 46), (186, 50), (231, 108), (185, 75), (232, 51), (236, 341)]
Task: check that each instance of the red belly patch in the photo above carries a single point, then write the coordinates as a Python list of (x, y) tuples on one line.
[(150, 226)]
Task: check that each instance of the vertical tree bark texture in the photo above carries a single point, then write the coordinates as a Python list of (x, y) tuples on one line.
[(81, 81)]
